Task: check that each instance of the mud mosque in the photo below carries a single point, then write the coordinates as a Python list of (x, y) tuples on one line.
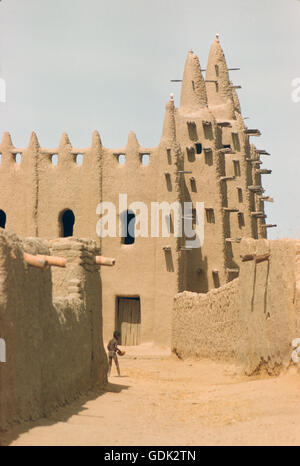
[(237, 287), (205, 154)]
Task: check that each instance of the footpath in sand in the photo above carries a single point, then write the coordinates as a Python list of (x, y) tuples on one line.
[(161, 400)]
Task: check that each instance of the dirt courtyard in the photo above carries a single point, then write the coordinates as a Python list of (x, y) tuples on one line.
[(161, 400)]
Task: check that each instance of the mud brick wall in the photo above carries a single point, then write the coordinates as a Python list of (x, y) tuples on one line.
[(51, 321)]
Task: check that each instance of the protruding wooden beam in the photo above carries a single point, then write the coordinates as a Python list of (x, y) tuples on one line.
[(247, 257), (269, 225), (253, 132), (53, 260), (226, 150), (226, 178), (258, 214), (263, 171), (256, 258), (256, 188), (102, 260), (262, 258), (266, 198), (254, 161), (34, 261), (262, 152), (230, 209), (224, 123), (233, 240)]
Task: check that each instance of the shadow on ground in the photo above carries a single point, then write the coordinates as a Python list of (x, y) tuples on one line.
[(61, 414)]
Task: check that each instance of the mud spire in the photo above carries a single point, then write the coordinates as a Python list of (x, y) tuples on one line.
[(169, 128), (96, 140), (64, 141), (6, 142), (219, 90), (193, 92), (33, 143), (132, 142)]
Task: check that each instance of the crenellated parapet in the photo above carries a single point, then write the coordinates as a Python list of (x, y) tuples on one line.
[(205, 155)]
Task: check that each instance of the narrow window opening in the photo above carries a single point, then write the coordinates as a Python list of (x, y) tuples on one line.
[(193, 185), (208, 157), (237, 168), (240, 194), (67, 223), (18, 158), (210, 215), (128, 222), (226, 146), (2, 219), (198, 148), (169, 156), (236, 142), (79, 159), (216, 278), (217, 70), (192, 129), (241, 219), (54, 159), (145, 159), (121, 159), (194, 218)]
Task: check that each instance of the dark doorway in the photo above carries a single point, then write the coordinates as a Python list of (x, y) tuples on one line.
[(128, 320), (67, 223), (2, 219)]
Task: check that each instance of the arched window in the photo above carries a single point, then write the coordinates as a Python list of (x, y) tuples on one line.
[(128, 222), (67, 220), (2, 219)]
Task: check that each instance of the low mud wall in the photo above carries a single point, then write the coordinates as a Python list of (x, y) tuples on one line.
[(51, 323), (206, 325), (268, 308), (254, 319)]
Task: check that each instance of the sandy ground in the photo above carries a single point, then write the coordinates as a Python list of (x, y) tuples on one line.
[(161, 400)]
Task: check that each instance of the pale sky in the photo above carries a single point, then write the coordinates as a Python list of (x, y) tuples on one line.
[(80, 65)]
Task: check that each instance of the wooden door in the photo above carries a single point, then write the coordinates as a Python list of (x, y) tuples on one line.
[(129, 321)]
